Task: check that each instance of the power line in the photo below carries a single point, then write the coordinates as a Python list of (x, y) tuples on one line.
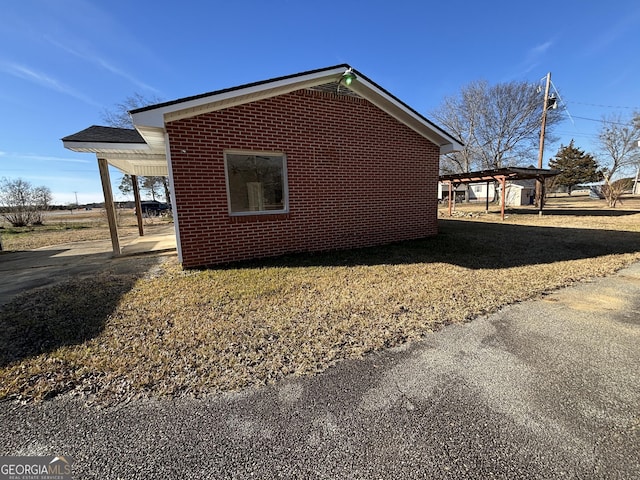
[(604, 121), (603, 106), (566, 109), (577, 134)]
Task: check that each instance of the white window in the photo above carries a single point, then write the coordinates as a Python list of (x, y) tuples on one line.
[(256, 182)]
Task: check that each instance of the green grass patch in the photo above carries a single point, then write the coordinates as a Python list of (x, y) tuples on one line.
[(222, 329)]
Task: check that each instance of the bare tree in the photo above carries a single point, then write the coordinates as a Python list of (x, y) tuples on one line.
[(42, 197), (499, 125), (22, 204), (459, 116), (617, 140), (119, 117)]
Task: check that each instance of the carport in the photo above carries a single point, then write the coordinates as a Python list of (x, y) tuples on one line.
[(501, 175), (126, 150)]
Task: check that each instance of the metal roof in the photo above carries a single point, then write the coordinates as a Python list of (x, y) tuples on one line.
[(510, 173)]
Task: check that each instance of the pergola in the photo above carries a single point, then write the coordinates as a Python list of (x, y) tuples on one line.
[(501, 175), (126, 150)]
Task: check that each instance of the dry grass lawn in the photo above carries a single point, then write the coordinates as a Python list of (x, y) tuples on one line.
[(202, 332)]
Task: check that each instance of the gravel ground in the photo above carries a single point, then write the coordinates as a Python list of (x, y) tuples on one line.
[(542, 389)]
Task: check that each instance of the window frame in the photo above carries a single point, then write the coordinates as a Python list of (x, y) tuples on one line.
[(285, 182)]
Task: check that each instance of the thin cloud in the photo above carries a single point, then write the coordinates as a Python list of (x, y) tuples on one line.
[(44, 80), (57, 178), (540, 49), (613, 34), (93, 58), (42, 158), (533, 58)]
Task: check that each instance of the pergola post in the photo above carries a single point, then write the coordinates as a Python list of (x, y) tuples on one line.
[(503, 184), (103, 166), (136, 196), (486, 207), (541, 182)]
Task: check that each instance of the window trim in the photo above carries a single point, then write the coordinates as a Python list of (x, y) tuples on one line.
[(285, 182)]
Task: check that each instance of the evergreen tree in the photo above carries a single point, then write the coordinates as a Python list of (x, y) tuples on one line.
[(575, 167)]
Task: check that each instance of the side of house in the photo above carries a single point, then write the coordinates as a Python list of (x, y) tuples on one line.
[(480, 191), (309, 170)]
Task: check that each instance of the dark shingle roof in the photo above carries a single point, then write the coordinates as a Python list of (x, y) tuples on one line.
[(239, 87), (287, 77), (99, 134)]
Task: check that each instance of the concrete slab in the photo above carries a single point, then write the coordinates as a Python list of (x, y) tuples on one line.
[(22, 271)]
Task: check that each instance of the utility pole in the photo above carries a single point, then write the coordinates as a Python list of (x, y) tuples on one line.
[(76, 205), (545, 106)]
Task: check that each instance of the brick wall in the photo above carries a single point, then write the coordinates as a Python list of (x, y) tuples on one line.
[(356, 177)]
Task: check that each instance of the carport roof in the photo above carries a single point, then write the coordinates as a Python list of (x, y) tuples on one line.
[(124, 148), (509, 173), (501, 175), (100, 134)]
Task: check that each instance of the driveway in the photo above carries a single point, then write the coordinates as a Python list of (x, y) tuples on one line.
[(26, 270), (548, 388)]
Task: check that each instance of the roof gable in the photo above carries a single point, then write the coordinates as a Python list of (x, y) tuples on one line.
[(150, 120)]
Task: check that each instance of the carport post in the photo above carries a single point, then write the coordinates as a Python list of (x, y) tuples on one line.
[(486, 208), (103, 166), (541, 183), (449, 197), (502, 195), (136, 196)]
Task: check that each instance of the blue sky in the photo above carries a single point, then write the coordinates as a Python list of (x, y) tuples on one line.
[(63, 62)]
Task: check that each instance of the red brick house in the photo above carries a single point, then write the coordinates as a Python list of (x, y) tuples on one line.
[(320, 160)]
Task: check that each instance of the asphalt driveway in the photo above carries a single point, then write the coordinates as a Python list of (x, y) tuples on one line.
[(543, 389)]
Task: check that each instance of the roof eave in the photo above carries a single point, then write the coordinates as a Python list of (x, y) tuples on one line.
[(101, 147), (152, 118), (156, 117)]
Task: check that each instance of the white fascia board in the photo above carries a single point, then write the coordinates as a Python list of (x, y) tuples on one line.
[(156, 117), (174, 204), (450, 148), (97, 147), (403, 114), (151, 158)]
